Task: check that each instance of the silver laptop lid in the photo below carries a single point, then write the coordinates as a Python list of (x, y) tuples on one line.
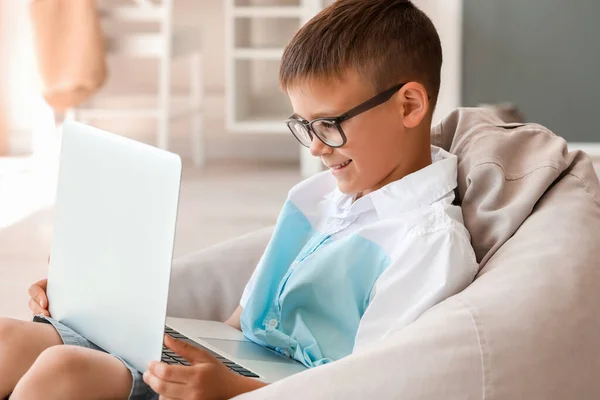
[(114, 229)]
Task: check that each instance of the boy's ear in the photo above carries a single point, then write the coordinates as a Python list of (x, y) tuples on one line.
[(413, 103)]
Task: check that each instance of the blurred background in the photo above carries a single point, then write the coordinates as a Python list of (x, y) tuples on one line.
[(199, 78)]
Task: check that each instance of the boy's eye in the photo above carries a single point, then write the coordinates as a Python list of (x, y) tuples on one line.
[(326, 125)]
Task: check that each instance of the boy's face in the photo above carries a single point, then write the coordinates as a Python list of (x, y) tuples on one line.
[(383, 144)]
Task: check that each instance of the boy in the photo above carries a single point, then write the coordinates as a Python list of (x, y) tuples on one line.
[(359, 251)]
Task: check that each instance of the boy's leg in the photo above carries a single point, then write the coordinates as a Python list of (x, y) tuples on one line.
[(21, 342), (78, 373)]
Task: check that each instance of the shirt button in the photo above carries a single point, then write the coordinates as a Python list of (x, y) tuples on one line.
[(273, 324)]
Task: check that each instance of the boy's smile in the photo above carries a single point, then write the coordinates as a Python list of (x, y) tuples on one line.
[(336, 168)]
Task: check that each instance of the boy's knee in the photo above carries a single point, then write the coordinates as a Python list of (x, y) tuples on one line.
[(62, 361), (53, 372), (57, 364)]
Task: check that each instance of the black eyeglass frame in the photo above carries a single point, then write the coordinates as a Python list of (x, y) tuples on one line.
[(337, 121)]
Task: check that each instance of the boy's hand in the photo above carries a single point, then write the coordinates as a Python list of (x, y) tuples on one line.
[(38, 303), (206, 378)]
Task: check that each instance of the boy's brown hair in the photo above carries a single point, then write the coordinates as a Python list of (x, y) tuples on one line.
[(386, 41)]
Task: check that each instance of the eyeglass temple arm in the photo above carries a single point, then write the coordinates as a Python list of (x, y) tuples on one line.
[(371, 103)]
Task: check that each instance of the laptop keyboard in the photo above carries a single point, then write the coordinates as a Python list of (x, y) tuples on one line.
[(170, 357)]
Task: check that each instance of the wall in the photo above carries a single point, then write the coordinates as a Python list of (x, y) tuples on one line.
[(541, 55)]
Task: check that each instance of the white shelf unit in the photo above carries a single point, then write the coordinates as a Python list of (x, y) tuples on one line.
[(144, 29), (256, 34)]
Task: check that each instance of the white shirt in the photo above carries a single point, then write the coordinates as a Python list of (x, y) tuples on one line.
[(404, 246)]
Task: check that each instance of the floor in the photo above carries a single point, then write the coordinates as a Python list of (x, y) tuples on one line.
[(220, 202)]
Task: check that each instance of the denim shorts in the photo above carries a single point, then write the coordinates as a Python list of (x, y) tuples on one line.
[(139, 389)]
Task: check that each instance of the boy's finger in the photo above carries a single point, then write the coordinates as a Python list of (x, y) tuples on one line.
[(41, 299), (166, 390), (34, 290), (35, 307), (186, 350), (38, 288), (171, 373), (37, 291), (43, 283)]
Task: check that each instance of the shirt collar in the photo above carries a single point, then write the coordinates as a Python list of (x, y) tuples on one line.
[(421, 188)]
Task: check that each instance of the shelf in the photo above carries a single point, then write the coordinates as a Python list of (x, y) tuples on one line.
[(257, 33), (268, 12), (134, 13), (265, 124), (259, 104), (150, 45), (258, 54), (109, 105)]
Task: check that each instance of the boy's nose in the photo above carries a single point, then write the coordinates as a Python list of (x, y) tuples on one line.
[(318, 148)]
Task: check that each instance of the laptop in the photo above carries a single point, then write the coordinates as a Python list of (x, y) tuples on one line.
[(114, 231)]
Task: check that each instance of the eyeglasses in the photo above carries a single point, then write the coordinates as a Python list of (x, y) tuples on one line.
[(329, 129)]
